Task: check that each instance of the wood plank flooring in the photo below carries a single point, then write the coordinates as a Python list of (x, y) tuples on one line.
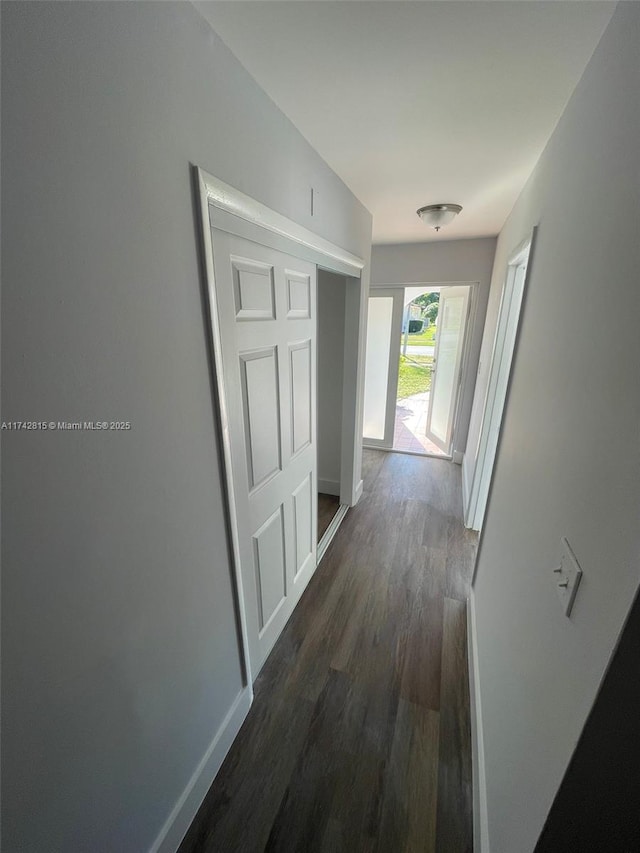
[(358, 740), (327, 508)]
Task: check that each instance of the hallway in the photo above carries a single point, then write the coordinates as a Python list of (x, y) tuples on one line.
[(359, 735)]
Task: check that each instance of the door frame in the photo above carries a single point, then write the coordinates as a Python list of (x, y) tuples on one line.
[(494, 407), (223, 207), (474, 290)]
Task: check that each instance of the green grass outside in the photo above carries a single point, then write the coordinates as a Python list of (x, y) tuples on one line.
[(414, 375), (425, 339)]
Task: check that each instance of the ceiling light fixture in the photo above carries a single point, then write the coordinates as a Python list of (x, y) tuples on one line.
[(437, 215)]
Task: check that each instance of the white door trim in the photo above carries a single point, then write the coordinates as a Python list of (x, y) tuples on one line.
[(428, 285), (215, 192), (211, 191), (481, 480)]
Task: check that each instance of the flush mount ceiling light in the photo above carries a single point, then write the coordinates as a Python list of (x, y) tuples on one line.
[(437, 215)]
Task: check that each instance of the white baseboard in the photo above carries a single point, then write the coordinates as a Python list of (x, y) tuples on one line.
[(457, 457), (358, 492), (329, 487), (480, 816), (190, 800)]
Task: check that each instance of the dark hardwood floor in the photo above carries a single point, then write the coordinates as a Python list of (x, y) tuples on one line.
[(327, 508), (359, 735)]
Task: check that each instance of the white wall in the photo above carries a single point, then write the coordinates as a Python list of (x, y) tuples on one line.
[(439, 262), (569, 457), (331, 331), (120, 653)]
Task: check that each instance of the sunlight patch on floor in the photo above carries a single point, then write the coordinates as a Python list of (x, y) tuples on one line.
[(411, 424)]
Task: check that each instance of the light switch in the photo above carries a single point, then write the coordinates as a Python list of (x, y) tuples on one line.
[(567, 577)]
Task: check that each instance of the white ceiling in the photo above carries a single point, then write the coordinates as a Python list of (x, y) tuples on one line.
[(413, 103)]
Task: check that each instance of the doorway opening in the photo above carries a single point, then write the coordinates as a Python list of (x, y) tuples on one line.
[(504, 346), (331, 303), (417, 358), (338, 309), (416, 345)]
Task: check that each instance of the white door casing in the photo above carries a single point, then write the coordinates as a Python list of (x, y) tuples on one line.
[(446, 377), (504, 346), (266, 311)]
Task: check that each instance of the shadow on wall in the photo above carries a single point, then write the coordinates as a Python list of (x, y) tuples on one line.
[(598, 805)]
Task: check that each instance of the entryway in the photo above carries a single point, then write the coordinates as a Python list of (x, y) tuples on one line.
[(416, 349), (417, 359)]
